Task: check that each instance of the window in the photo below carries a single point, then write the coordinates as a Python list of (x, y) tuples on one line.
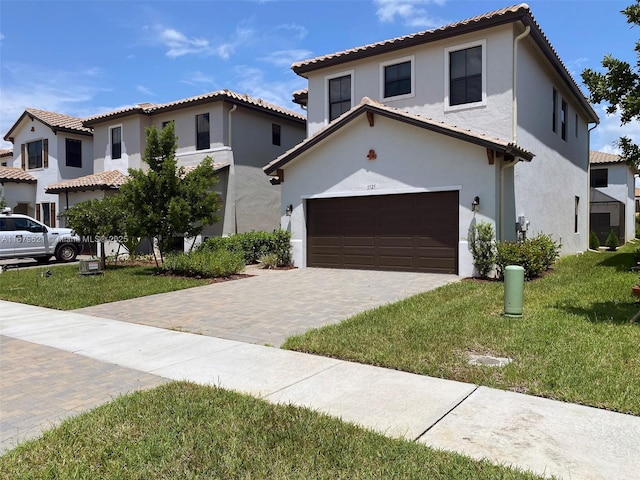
[(599, 178), (74, 152), (202, 132), (4, 164), (339, 96), (275, 134), (576, 125), (116, 142), (34, 154), (165, 123), (466, 83), (563, 120), (397, 77), (554, 110), (46, 214), (575, 215)]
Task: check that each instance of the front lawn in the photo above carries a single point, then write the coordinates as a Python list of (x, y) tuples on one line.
[(574, 342), (181, 430), (62, 288)]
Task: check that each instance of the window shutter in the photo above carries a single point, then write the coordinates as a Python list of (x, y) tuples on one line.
[(38, 211), (23, 148), (53, 215), (45, 153)]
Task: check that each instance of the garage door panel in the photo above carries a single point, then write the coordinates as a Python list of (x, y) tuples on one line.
[(414, 232)]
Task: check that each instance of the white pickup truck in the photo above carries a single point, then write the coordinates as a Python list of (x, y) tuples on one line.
[(23, 237)]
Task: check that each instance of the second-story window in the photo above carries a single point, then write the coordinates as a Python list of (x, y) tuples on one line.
[(554, 111), (465, 76), (397, 79), (73, 149), (275, 134), (116, 143), (339, 96), (202, 132), (35, 155), (564, 116), (600, 178)]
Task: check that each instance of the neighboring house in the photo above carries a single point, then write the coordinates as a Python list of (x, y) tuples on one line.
[(6, 156), (612, 200), (637, 201), (411, 141), (18, 189), (50, 147), (241, 134)]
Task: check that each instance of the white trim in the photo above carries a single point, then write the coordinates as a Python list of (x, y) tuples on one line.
[(111, 127), (395, 61), (455, 48), (390, 191), (209, 150), (350, 73)]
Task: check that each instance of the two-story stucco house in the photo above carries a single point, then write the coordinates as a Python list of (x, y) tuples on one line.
[(240, 133), (612, 200), (49, 147), (412, 140)]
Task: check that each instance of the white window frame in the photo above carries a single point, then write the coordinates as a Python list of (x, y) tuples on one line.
[(447, 82), (326, 90), (121, 142), (395, 61)]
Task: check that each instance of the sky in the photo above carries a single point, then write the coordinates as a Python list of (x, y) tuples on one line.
[(82, 58)]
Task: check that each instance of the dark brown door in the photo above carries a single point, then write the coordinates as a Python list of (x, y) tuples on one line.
[(415, 232)]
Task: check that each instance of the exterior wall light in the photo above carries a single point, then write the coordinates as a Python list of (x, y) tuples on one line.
[(289, 210), (475, 204)]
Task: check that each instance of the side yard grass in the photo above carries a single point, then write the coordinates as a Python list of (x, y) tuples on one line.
[(181, 430), (62, 288), (574, 342)]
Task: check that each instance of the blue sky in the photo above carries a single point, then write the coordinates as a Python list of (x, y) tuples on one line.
[(81, 58)]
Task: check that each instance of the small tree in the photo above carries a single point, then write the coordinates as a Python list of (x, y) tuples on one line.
[(2, 201), (594, 242), (483, 248), (612, 241), (166, 201)]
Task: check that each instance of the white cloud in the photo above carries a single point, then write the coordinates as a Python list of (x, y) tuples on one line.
[(28, 85), (253, 82), (284, 58), (199, 79), (178, 44), (145, 91), (293, 30), (605, 135), (410, 12)]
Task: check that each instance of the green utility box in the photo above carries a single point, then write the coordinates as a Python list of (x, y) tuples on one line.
[(90, 267), (513, 290)]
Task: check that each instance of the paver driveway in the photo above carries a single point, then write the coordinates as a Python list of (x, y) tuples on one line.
[(269, 307)]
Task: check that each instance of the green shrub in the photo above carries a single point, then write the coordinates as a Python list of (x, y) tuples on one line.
[(205, 264), (254, 245), (269, 260), (483, 248), (535, 255), (637, 226), (594, 243), (612, 241)]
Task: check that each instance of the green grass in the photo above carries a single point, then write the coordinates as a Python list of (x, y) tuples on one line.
[(574, 342), (184, 431), (66, 290)]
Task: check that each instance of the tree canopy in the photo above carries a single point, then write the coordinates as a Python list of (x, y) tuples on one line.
[(619, 88)]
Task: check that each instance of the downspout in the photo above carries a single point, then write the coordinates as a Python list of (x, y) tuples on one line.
[(514, 123), (230, 225)]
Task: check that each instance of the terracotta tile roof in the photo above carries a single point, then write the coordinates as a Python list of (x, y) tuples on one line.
[(601, 157), (6, 153), (520, 12), (368, 105), (107, 180), (637, 192), (55, 121), (219, 95), (301, 96), (216, 167), (17, 175)]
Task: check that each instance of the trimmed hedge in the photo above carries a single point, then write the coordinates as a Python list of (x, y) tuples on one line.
[(535, 255), (204, 264), (254, 245)]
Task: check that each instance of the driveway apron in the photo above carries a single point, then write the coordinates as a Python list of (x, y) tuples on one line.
[(272, 305)]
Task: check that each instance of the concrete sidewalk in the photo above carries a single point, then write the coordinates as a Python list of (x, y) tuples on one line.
[(545, 436)]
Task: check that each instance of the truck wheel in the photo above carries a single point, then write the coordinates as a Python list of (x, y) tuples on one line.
[(66, 253)]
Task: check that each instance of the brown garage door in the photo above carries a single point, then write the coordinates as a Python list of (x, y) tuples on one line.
[(415, 232)]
